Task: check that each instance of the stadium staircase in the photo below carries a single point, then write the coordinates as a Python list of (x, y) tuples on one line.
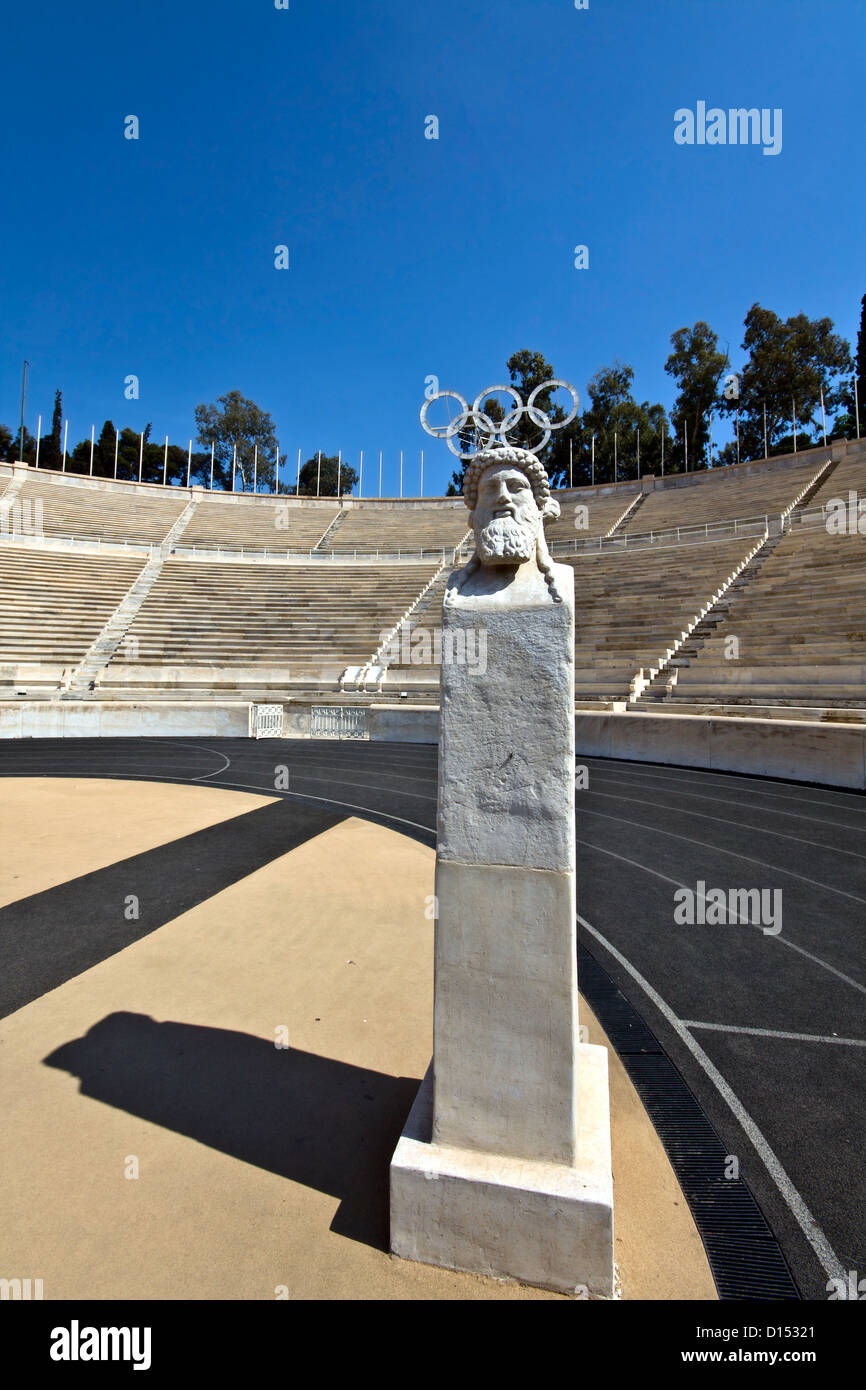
[(627, 515), (333, 525), (10, 493), (663, 680), (795, 612), (428, 601), (82, 678)]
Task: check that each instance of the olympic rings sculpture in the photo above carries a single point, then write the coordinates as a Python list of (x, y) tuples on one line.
[(492, 431)]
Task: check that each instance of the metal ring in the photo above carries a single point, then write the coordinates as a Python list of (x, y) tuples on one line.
[(444, 431), (476, 404), (487, 427), (499, 430), (545, 386)]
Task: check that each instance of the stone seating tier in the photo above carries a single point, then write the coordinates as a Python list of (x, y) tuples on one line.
[(260, 523), (371, 527), (725, 494), (53, 606), (86, 511), (800, 626), (226, 613)]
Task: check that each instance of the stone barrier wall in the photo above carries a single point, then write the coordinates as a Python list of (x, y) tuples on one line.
[(808, 751)]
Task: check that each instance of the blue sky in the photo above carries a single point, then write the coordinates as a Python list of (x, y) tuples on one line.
[(408, 257)]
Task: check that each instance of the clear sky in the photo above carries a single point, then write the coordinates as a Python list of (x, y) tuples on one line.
[(408, 257)]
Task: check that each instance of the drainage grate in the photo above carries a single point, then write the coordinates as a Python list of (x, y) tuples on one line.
[(743, 1253)]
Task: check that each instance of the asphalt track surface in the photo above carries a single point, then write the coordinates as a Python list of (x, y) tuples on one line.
[(767, 1028)]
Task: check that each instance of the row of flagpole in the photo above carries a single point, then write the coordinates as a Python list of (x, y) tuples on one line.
[(421, 491), (686, 440), (234, 463)]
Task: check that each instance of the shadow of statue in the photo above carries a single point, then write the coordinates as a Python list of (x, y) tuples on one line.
[(317, 1121)]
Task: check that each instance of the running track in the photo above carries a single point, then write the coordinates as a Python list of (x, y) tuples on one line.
[(767, 1030)]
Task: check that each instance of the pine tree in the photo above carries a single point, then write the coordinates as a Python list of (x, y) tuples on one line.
[(50, 445), (861, 360)]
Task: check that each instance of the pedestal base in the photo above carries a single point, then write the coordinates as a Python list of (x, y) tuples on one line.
[(541, 1223)]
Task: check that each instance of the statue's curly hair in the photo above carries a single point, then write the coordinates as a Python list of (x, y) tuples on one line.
[(518, 458), (547, 505)]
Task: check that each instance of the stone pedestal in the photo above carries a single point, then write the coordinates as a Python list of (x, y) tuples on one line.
[(504, 1165), (548, 1224)]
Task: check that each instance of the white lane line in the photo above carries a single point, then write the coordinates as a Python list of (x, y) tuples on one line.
[(806, 1221), (741, 805), (365, 786), (200, 748), (783, 941), (329, 801), (705, 777), (774, 1033), (270, 794), (723, 820), (337, 768), (735, 854), (206, 775)]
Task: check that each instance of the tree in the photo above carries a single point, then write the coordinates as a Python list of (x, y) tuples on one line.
[(322, 481), (127, 454), (790, 362), (50, 446), (237, 427), (15, 452), (103, 454), (527, 370), (5, 442), (697, 365), (860, 368), (619, 425)]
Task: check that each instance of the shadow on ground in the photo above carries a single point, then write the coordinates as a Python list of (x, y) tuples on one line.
[(72, 927), (314, 1120)]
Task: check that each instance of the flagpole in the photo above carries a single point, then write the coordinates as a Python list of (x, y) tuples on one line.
[(189, 463), (361, 479), (116, 446), (211, 465), (92, 438), (298, 482), (38, 433)]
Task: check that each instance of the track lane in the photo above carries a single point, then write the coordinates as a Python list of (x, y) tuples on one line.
[(803, 1097)]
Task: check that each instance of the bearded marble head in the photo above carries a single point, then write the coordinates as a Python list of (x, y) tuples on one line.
[(507, 492)]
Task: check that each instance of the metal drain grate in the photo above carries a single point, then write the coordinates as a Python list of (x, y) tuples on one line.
[(743, 1253)]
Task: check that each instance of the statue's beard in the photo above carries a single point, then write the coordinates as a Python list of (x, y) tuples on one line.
[(506, 538)]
